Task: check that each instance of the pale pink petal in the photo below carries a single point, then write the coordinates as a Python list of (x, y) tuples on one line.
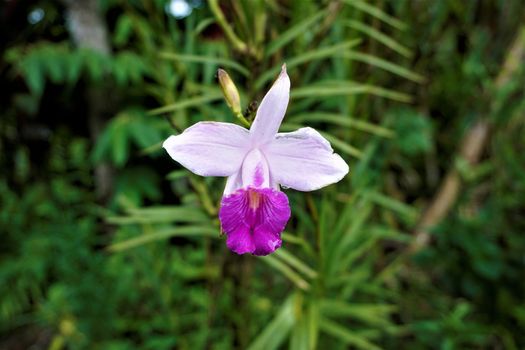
[(304, 160), (210, 148), (233, 183), (255, 172), (253, 219), (271, 110)]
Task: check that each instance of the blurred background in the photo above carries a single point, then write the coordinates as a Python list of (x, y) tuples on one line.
[(107, 243)]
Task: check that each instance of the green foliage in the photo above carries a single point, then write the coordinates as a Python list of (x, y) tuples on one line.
[(60, 64), (392, 85), (127, 130), (413, 131)]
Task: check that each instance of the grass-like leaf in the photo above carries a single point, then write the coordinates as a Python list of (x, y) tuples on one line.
[(183, 231), (222, 62), (274, 334), (376, 315), (292, 260), (379, 36), (341, 120), (346, 335), (405, 210), (293, 32), (337, 143), (186, 103), (377, 13), (286, 271), (323, 90), (159, 215), (342, 145), (317, 54), (385, 65)]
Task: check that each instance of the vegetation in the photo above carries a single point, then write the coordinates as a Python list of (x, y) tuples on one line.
[(109, 244)]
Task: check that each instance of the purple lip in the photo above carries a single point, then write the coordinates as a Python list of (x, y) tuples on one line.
[(253, 220)]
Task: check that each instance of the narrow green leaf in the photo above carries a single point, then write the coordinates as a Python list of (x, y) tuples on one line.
[(341, 120), (203, 25), (341, 145), (287, 237), (299, 338), (405, 210), (152, 149), (295, 262), (337, 143), (163, 214), (391, 234), (183, 231), (351, 280), (169, 211), (384, 64), (349, 237), (290, 34), (278, 329), (361, 247), (177, 174), (346, 335), (377, 13), (186, 103), (380, 37), (374, 314), (320, 53), (313, 323), (286, 271), (320, 90), (206, 59)]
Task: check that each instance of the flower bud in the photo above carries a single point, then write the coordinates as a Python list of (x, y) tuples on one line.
[(230, 91)]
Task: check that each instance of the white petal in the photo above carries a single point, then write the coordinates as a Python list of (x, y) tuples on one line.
[(304, 160), (210, 148), (271, 110), (255, 171)]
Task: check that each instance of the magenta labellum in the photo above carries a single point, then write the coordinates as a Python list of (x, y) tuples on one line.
[(253, 219)]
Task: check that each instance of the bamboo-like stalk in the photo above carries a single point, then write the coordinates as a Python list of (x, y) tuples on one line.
[(471, 149)]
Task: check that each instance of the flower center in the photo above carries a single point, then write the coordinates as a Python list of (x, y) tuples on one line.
[(254, 198)]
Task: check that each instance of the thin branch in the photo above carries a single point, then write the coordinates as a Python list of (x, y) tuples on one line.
[(471, 150)]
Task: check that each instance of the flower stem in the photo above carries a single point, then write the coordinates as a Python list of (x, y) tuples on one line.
[(243, 119)]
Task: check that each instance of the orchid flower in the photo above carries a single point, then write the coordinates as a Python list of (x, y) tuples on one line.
[(253, 210)]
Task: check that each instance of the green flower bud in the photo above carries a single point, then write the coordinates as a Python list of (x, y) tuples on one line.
[(230, 91)]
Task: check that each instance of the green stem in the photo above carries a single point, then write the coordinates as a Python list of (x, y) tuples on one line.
[(237, 43), (243, 119), (204, 196)]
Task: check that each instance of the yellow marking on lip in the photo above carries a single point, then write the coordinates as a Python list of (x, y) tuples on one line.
[(254, 198)]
